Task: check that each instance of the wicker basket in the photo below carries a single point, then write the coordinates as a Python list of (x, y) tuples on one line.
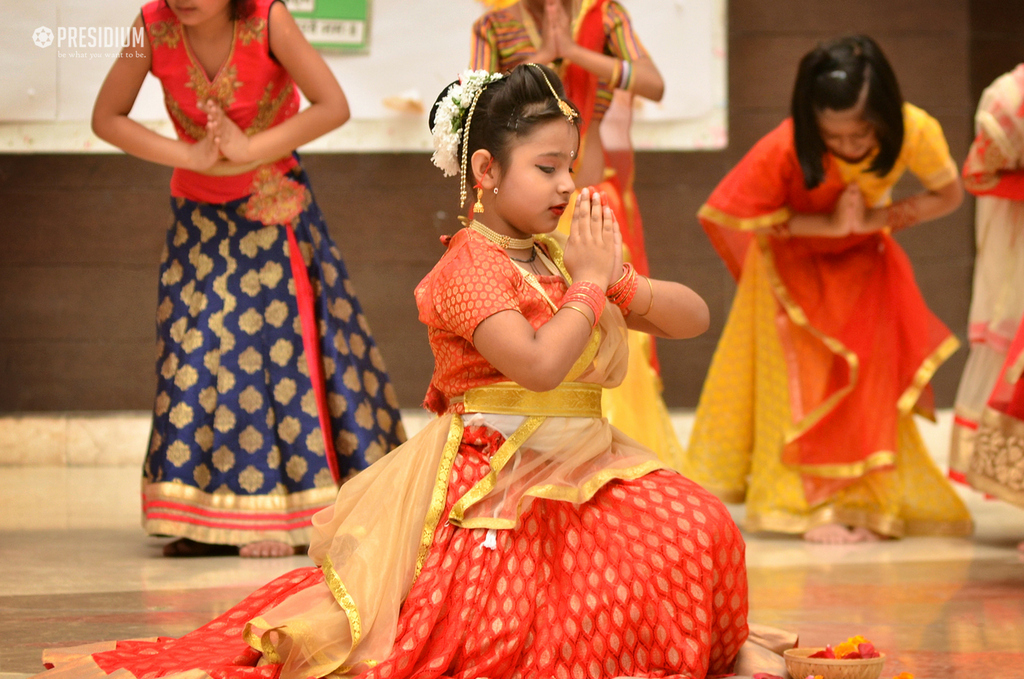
[(800, 666)]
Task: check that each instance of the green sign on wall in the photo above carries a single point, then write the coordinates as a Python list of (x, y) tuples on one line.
[(334, 25)]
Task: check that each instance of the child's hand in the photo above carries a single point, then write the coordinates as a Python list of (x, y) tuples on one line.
[(232, 142), (204, 153), (594, 249), (559, 27), (848, 217)]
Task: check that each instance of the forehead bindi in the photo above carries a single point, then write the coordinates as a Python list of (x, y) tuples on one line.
[(554, 139)]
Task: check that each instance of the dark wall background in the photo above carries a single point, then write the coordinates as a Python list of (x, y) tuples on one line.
[(82, 234)]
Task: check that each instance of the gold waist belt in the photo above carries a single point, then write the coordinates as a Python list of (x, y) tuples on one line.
[(569, 399)]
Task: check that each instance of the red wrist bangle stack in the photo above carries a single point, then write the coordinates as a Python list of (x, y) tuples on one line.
[(622, 291), (588, 294)]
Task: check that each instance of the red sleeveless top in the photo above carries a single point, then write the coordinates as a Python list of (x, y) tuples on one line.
[(254, 90)]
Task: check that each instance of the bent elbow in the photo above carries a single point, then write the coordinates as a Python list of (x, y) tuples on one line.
[(702, 321), (99, 125), (657, 90), (342, 113)]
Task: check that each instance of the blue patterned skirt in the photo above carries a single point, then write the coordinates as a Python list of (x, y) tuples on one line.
[(271, 391)]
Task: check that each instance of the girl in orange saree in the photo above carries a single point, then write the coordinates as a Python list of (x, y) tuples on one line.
[(522, 535), (602, 63), (807, 411)]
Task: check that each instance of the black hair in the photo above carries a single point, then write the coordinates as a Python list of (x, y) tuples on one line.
[(508, 109), (832, 76)]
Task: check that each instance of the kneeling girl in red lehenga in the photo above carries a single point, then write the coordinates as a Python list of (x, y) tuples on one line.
[(522, 535)]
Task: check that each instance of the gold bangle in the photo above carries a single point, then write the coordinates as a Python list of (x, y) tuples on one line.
[(616, 74), (590, 323), (650, 304)]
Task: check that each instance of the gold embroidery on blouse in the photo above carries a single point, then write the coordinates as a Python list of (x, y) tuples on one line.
[(251, 29), (268, 108), (190, 127), (221, 90), (165, 34)]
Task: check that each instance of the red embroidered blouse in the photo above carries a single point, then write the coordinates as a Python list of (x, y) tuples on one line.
[(254, 90)]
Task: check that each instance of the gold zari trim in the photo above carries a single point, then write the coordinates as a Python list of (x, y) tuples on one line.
[(904, 404), (440, 494), (263, 644), (924, 374), (314, 498), (344, 600), (799, 318), (498, 462), (564, 494), (569, 399), (769, 220), (876, 460)]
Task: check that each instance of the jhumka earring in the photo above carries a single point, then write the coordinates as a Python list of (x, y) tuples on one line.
[(478, 206)]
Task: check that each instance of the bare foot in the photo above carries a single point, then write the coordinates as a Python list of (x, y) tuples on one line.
[(186, 547), (266, 549), (866, 534), (833, 534)]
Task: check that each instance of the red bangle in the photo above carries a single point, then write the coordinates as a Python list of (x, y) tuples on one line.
[(586, 293), (621, 292)]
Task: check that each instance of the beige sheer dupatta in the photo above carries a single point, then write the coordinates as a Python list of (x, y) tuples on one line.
[(374, 540), (368, 546)]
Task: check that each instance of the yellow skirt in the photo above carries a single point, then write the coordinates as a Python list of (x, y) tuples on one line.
[(735, 449)]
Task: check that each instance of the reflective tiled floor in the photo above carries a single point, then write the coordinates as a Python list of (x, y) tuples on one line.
[(75, 567)]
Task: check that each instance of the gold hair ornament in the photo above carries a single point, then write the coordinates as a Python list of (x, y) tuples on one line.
[(563, 106)]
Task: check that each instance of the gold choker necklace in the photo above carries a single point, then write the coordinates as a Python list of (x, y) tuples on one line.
[(506, 242)]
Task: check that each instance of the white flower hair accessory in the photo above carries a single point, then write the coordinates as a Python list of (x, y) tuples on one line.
[(451, 121)]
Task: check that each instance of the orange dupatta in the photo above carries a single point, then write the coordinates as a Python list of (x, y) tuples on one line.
[(860, 343)]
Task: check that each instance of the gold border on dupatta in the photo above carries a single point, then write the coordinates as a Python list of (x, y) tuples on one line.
[(498, 462), (587, 491), (908, 399), (849, 470), (440, 494), (261, 643), (344, 600), (771, 219), (799, 318), (904, 404)]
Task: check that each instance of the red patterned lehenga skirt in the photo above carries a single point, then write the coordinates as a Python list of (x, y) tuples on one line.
[(518, 535)]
